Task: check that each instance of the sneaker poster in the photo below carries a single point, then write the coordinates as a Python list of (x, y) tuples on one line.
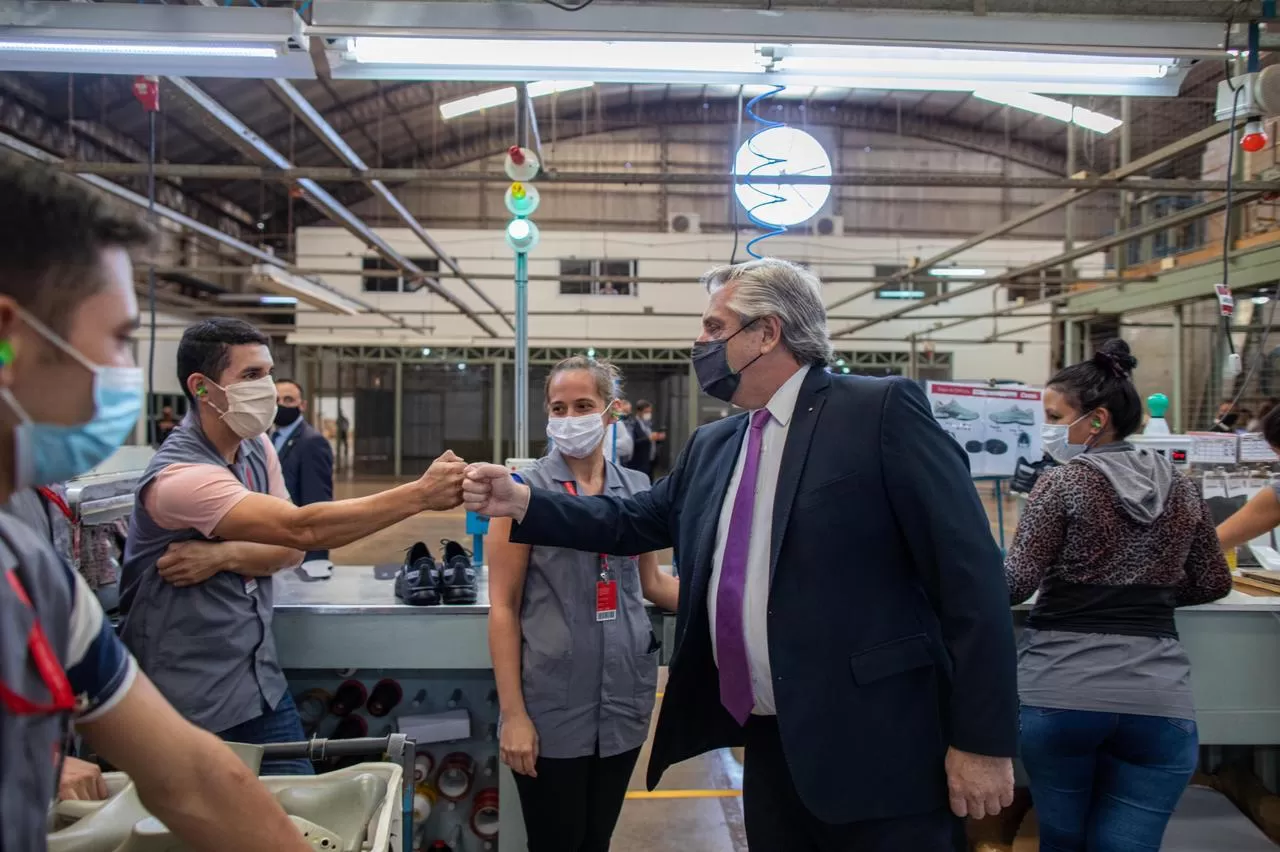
[(996, 426)]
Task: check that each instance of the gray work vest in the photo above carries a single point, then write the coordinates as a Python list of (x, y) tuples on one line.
[(28, 743), (209, 647), (585, 683)]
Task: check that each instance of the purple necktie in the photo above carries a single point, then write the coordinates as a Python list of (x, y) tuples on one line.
[(731, 638)]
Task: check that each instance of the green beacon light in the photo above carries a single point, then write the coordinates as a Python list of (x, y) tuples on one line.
[(1157, 404)]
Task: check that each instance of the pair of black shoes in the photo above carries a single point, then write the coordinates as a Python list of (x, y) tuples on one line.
[(994, 447), (422, 581)]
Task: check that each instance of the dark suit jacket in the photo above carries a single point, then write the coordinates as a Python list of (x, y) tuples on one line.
[(307, 461), (890, 633)]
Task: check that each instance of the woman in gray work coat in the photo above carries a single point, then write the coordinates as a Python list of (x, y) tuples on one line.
[(573, 652)]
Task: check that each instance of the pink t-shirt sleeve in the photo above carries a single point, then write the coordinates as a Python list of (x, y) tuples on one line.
[(193, 496), (275, 476)]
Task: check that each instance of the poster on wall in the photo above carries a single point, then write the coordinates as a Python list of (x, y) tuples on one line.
[(996, 426)]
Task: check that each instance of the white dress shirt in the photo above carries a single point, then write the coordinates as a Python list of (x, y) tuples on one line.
[(755, 601)]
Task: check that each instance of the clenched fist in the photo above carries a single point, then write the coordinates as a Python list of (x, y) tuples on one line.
[(489, 490), (442, 483)]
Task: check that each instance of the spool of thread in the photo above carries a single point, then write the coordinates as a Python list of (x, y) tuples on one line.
[(491, 767), (313, 706), (423, 767), (455, 699), (453, 781), (424, 799), (351, 696), (385, 696), (484, 814), (351, 728), (419, 699)]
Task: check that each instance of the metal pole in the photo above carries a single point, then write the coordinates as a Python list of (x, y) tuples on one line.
[(398, 433), (913, 366), (1177, 370), (1069, 215), (1126, 198), (1070, 342), (497, 413), (521, 450)]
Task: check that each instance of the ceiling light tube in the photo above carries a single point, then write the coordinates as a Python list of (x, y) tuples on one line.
[(957, 272), (274, 278), (230, 51), (507, 95), (1050, 108)]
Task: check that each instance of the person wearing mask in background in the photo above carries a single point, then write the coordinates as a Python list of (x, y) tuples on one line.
[(842, 602), (166, 424), (212, 523), (576, 667), (618, 443), (67, 315), (306, 458), (1114, 540), (646, 440), (342, 435), (1262, 513)]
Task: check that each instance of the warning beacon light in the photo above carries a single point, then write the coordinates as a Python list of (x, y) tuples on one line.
[(522, 235), (522, 199), (1254, 138), (521, 164)]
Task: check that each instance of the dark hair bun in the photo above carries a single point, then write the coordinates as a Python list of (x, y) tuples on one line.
[(1115, 356)]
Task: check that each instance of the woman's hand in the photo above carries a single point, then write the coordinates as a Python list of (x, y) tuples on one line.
[(519, 746)]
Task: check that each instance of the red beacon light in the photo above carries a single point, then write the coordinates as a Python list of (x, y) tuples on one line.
[(1254, 138)]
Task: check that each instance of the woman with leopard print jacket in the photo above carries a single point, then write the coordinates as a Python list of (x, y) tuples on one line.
[(1113, 540)]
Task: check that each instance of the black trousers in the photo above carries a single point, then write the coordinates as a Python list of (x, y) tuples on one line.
[(573, 804), (777, 821)]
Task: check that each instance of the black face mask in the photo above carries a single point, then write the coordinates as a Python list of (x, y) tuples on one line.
[(285, 416), (711, 365)]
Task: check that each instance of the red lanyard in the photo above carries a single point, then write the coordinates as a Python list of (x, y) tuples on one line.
[(56, 499), (55, 679), (606, 584), (604, 558)]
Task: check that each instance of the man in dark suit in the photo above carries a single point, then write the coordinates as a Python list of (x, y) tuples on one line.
[(843, 609), (305, 455)]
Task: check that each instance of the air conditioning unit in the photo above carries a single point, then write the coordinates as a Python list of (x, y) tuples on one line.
[(828, 226), (684, 223)]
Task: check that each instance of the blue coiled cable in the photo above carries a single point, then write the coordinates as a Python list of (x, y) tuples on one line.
[(771, 230)]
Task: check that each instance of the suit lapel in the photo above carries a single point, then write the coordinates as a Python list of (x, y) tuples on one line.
[(724, 466), (799, 435)]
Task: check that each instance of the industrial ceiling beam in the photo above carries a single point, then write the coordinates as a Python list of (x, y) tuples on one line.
[(1130, 170), (182, 220), (316, 122), (941, 180), (1207, 208), (321, 199)]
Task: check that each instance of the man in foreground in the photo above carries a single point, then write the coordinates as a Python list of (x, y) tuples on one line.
[(843, 609), (69, 396), (213, 523)]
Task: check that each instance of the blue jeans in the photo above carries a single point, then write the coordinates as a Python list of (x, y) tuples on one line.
[(281, 725), (1105, 782)]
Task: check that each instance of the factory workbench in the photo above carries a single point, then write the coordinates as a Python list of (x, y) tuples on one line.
[(352, 621)]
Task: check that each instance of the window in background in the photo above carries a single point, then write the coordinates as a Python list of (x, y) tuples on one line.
[(398, 283), (598, 277)]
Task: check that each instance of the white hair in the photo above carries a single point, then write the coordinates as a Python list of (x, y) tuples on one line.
[(770, 287)]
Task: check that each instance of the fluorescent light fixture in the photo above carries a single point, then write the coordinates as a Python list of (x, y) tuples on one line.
[(1261, 300), (722, 63), (278, 300), (501, 97), (957, 272), (119, 38), (270, 277), (1050, 108), (901, 294)]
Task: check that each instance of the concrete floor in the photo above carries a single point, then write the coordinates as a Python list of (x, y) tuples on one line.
[(699, 798)]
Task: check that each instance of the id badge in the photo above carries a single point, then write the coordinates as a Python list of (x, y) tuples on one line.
[(250, 585), (606, 600)]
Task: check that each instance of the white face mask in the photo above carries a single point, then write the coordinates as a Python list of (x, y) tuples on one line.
[(1054, 438), (576, 436), (251, 406)]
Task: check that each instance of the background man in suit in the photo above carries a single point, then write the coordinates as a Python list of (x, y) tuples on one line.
[(305, 456), (843, 609)]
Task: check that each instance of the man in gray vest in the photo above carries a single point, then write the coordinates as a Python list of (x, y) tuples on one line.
[(69, 396), (213, 523)]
